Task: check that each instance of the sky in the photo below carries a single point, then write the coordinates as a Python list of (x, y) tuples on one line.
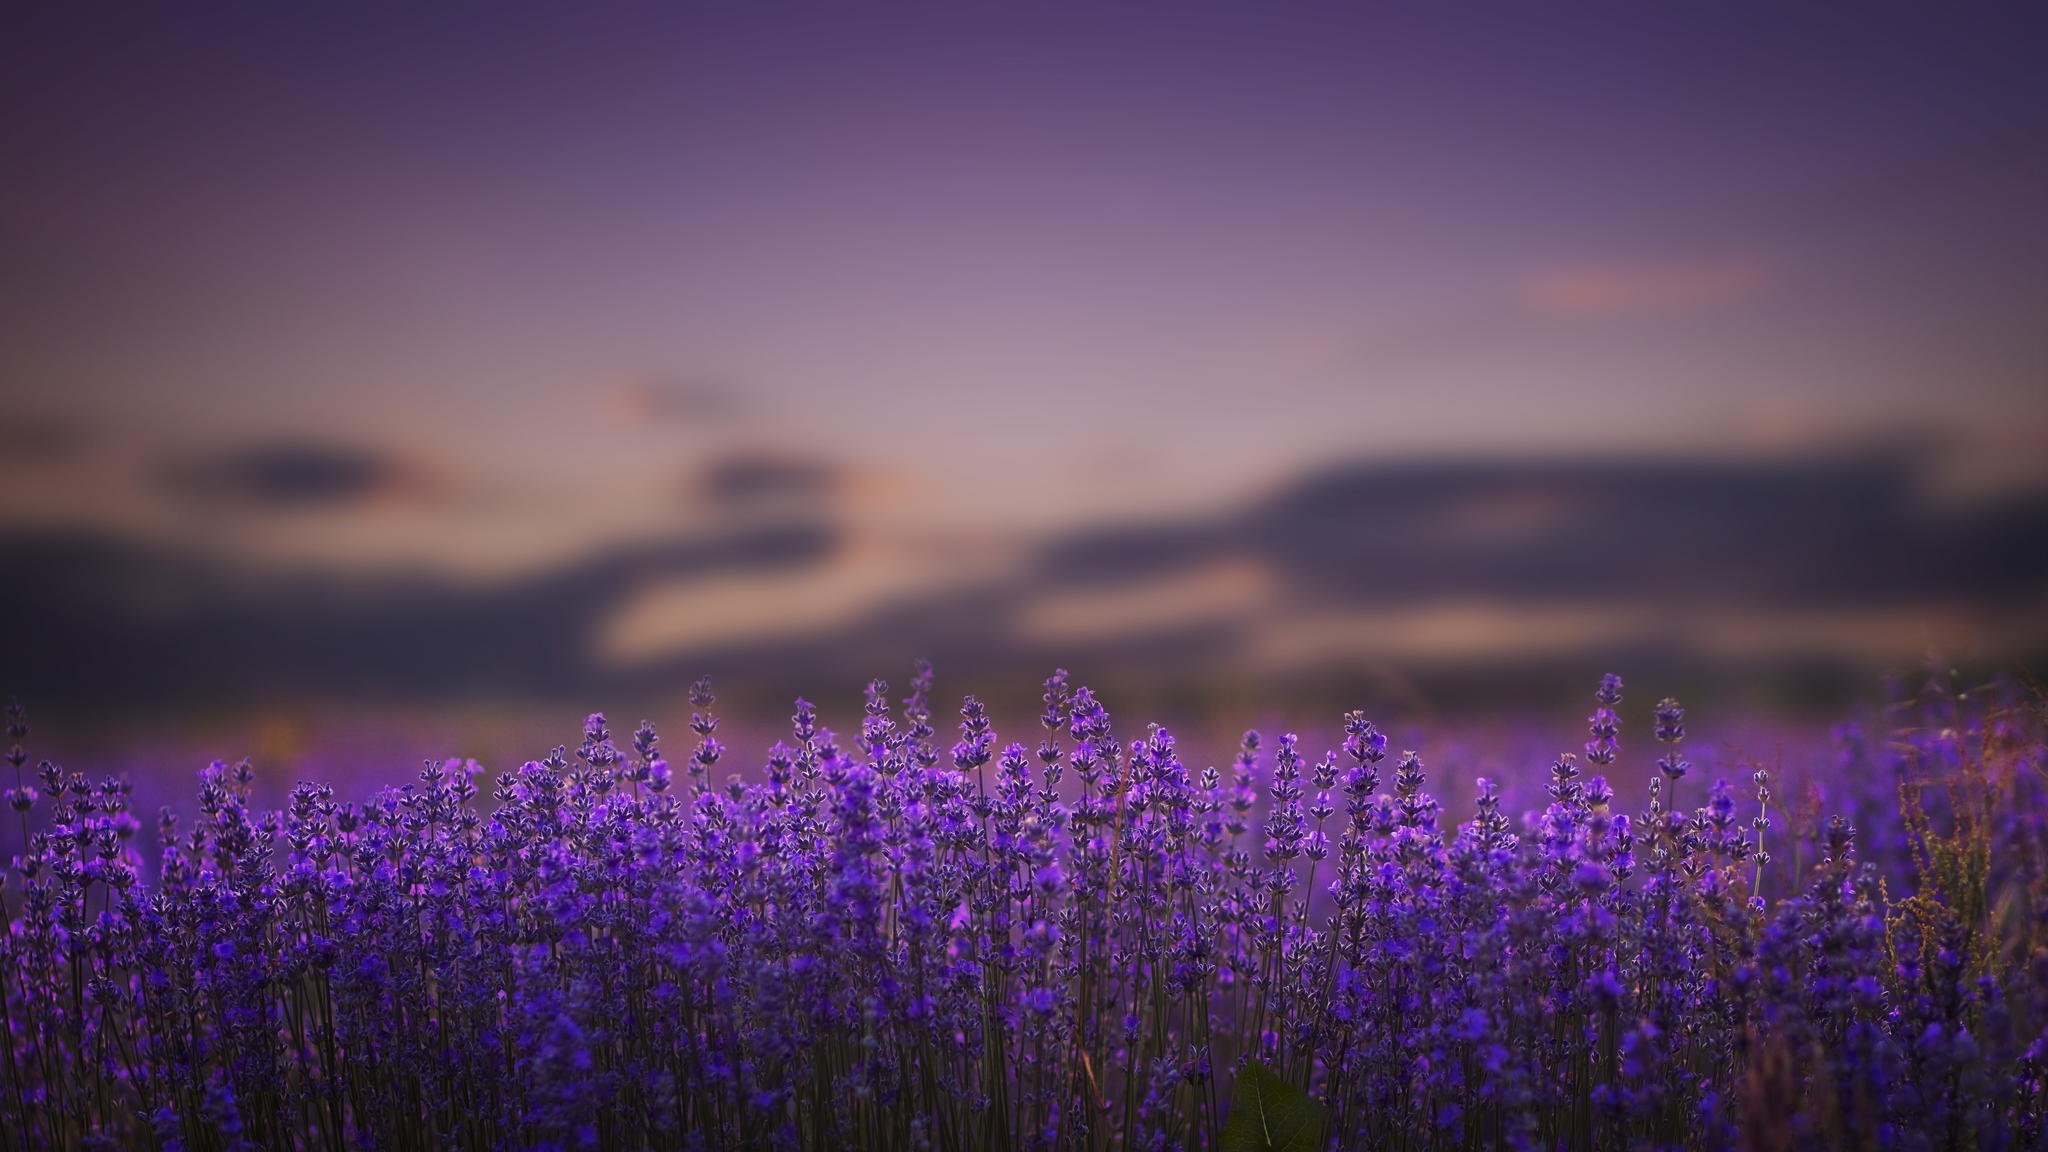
[(480, 294)]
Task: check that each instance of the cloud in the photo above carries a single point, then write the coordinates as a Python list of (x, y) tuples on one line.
[(1616, 291), (1478, 563), (113, 620), (642, 402), (1224, 590), (1656, 540), (289, 476), (761, 481), (40, 438)]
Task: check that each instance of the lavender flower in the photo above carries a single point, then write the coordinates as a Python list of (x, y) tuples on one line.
[(1082, 945)]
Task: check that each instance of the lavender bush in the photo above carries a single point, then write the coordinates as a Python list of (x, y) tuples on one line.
[(1084, 944)]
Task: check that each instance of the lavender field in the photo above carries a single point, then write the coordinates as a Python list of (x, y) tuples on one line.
[(402, 402), (911, 938)]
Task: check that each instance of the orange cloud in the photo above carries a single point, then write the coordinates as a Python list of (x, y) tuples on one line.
[(1224, 590), (1598, 292), (639, 402)]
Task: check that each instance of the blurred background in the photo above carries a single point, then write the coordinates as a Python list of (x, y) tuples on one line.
[(432, 374)]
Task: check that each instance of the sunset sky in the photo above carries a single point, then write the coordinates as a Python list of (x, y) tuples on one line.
[(475, 292)]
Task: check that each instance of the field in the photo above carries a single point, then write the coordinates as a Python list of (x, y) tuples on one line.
[(898, 939)]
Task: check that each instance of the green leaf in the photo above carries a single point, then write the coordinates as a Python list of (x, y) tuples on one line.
[(1267, 1114)]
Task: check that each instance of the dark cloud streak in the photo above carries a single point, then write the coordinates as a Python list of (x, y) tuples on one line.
[(286, 476), (97, 619)]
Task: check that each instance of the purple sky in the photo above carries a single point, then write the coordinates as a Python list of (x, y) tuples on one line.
[(1010, 268)]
